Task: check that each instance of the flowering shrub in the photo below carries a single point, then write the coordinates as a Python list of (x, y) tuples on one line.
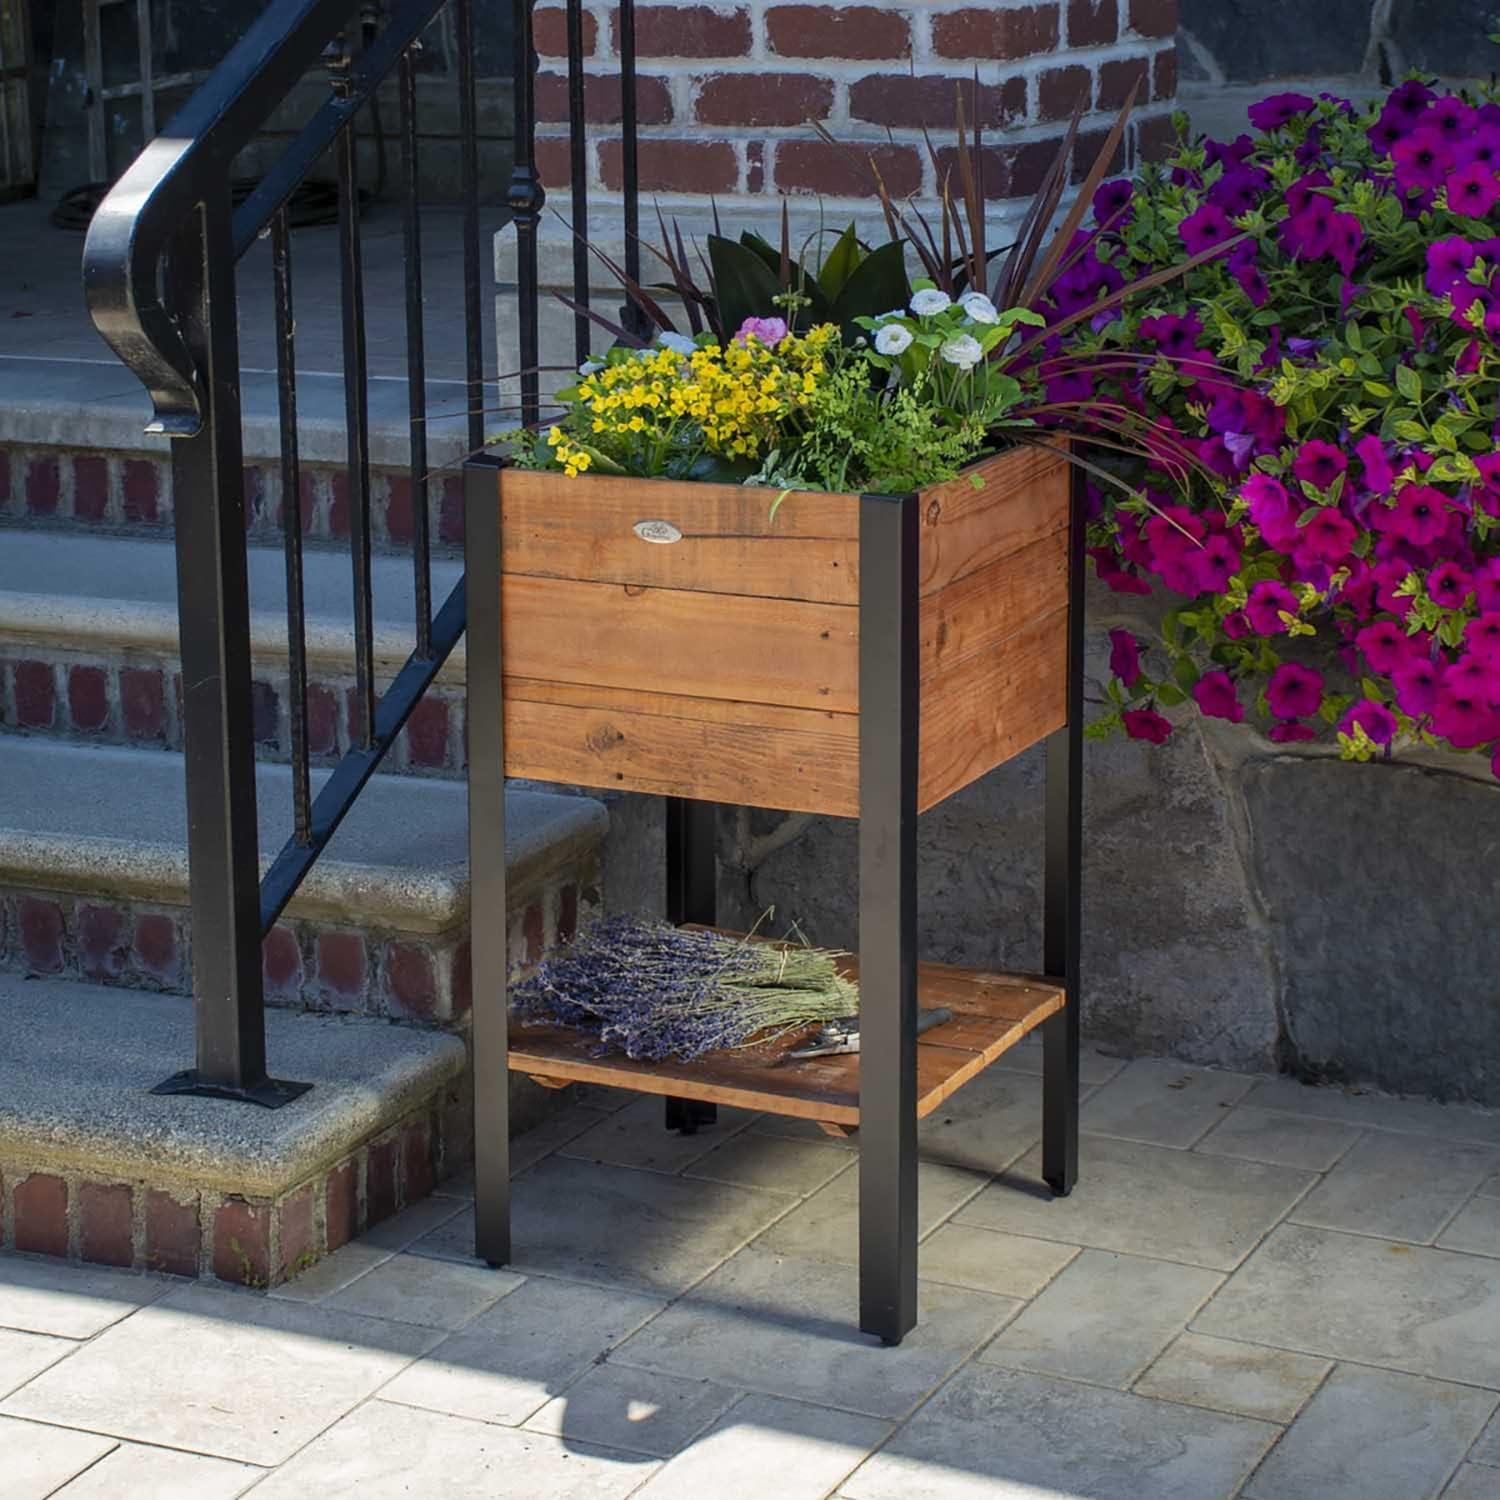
[(1323, 390), (794, 411)]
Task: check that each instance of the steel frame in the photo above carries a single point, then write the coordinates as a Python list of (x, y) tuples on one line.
[(889, 738)]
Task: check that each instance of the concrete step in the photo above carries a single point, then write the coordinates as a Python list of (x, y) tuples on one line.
[(95, 1167), (94, 881), (88, 646)]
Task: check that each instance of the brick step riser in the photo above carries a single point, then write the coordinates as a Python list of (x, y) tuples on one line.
[(306, 963), (131, 493), (135, 698)]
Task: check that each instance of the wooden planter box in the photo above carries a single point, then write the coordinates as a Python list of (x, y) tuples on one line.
[(725, 665)]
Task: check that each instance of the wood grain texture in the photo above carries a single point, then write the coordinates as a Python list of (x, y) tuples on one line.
[(561, 528), (991, 1013), (700, 645), (991, 706), (1022, 497)]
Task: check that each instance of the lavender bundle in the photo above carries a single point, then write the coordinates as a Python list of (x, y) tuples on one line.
[(654, 991)]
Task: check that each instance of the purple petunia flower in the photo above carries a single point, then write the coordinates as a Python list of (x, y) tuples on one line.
[(1482, 637), (1288, 733), (1204, 228), (1277, 110), (1124, 657), (1416, 681), (1146, 724), (1422, 159), (1419, 516), (1448, 262), (1112, 203), (1379, 476), (1215, 695), (1408, 102), (1212, 565), (1450, 117), (1377, 721), (1318, 463), (1327, 537), (1449, 585), (1473, 190), (1294, 692), (1384, 645), (1267, 602)]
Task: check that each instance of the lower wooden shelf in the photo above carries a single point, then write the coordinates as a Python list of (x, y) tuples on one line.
[(991, 1013)]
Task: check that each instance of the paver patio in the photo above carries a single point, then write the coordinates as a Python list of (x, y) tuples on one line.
[(1259, 1290)]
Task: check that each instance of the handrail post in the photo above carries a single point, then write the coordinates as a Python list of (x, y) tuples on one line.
[(213, 608)]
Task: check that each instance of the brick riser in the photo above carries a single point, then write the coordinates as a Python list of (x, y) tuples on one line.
[(137, 700), (255, 1242), (318, 965), (132, 493)]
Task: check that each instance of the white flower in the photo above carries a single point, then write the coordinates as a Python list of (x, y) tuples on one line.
[(895, 312), (678, 343), (591, 367), (929, 302), (894, 338), (963, 351), (979, 307)]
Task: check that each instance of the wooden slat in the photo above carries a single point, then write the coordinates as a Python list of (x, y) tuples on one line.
[(992, 706), (699, 645), (992, 1012), (1024, 496), (557, 527), (977, 612), (751, 755)]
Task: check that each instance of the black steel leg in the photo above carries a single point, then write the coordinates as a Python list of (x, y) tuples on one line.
[(1063, 879), (489, 920), (888, 727), (692, 896)]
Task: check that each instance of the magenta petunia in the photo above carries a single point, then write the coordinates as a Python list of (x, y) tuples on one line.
[(1146, 724), (1407, 102), (1117, 579), (1318, 463), (1377, 721), (1328, 536), (1420, 514), (1290, 733), (1204, 228), (1271, 509), (1294, 692), (1345, 237), (1379, 475), (1276, 110), (1213, 564), (1449, 585), (1451, 117), (1215, 695), (1267, 602), (1473, 190), (1487, 585), (1416, 682), (1236, 624), (1124, 657), (1112, 203), (1482, 637), (1383, 644), (1421, 159)]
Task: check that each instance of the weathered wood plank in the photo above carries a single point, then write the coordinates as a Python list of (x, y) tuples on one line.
[(701, 645), (1023, 497), (557, 527), (991, 706)]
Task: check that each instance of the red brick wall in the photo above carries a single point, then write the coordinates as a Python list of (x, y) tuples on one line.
[(726, 91)]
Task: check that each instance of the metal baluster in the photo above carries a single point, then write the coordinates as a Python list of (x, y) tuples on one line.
[(291, 521), (630, 159), (578, 171), (416, 355), (526, 198), (473, 255), (356, 403)]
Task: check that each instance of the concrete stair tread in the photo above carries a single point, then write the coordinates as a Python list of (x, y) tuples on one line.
[(80, 1061), (80, 818), (85, 591)]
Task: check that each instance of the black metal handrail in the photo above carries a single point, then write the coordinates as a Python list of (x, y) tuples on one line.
[(160, 281)]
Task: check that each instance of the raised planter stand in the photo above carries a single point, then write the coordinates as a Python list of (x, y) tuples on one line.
[(861, 656)]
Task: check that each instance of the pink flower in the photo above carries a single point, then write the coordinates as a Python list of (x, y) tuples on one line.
[(1379, 476), (1146, 724), (1420, 514), (1318, 463), (1377, 721), (1213, 564), (1328, 536), (1473, 190), (1267, 602), (1384, 646), (1124, 657), (1236, 624), (769, 331), (1289, 732), (1482, 637), (1294, 692), (1271, 509), (1417, 681), (1449, 585), (1215, 695)]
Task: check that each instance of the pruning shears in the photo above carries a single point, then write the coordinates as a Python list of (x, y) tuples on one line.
[(840, 1037)]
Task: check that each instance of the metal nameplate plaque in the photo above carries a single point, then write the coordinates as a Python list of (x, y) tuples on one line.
[(657, 531)]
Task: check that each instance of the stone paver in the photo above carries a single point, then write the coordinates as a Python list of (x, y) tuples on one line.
[(1281, 1140), (1245, 1380), (1475, 1229), (436, 1294), (1104, 1319), (767, 1446), (132, 1471), (1147, 1200), (1375, 1302), (229, 1374), (1399, 1188), (789, 1328), (72, 1302), (1094, 1067), (39, 1460), (385, 1452), (1374, 1435), (687, 1325), (1163, 1103), (619, 1407), (511, 1360), (23, 1355), (989, 1260), (997, 1434), (826, 1226)]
